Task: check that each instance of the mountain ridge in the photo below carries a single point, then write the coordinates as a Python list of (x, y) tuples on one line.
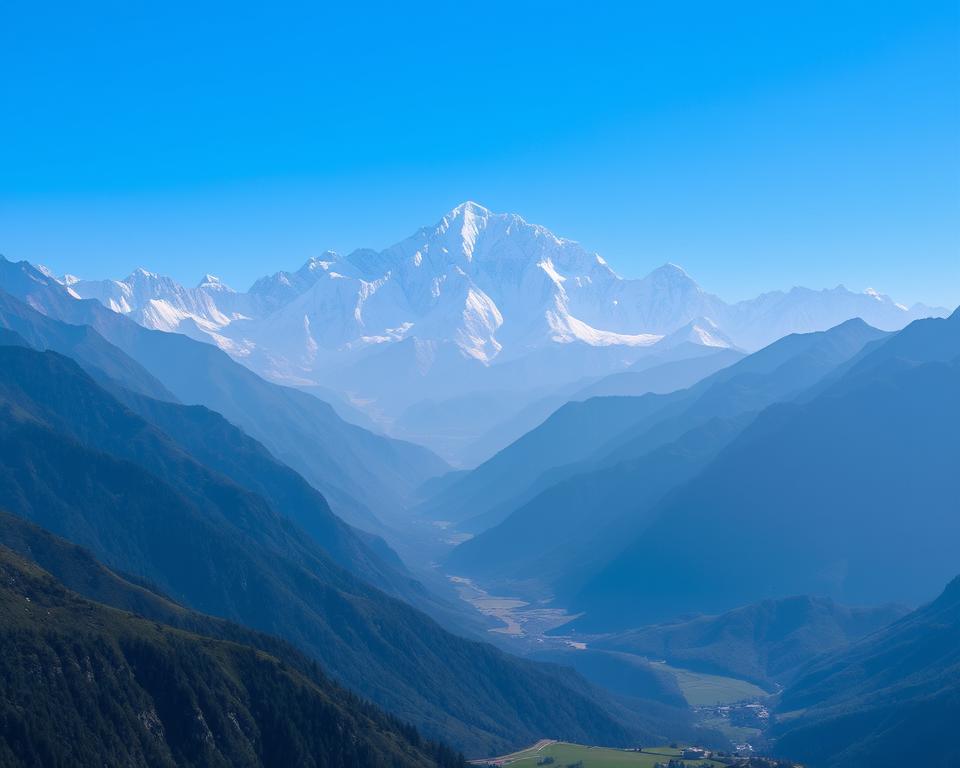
[(809, 498), (659, 304), (363, 475)]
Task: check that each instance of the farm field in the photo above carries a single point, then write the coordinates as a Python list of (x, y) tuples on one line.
[(565, 754), (738, 734), (701, 690)]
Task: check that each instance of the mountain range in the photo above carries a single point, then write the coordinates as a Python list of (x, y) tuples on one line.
[(481, 301)]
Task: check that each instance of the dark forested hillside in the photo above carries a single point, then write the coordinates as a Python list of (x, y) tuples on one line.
[(877, 701), (765, 642), (82, 684)]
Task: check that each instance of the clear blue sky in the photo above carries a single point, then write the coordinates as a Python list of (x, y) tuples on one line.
[(759, 145)]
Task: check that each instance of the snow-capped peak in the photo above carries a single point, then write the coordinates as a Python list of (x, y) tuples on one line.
[(47, 272), (465, 222), (671, 273), (701, 331), (322, 261), (468, 208), (876, 294), (214, 283), (489, 287)]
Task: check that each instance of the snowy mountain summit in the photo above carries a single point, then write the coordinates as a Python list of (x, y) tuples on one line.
[(476, 292)]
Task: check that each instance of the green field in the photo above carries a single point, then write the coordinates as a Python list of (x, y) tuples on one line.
[(596, 757), (704, 690), (736, 733)]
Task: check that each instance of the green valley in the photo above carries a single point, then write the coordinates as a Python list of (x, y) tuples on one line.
[(561, 753)]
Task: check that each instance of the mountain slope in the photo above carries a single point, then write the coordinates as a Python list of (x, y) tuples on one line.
[(95, 354), (559, 538), (779, 372), (569, 435), (220, 446), (605, 431), (85, 468), (871, 703), (662, 370), (362, 475), (213, 441), (821, 497), (85, 684), (661, 379), (765, 643)]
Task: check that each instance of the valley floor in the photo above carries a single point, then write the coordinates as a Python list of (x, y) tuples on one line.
[(522, 622), (522, 627), (703, 690), (564, 754)]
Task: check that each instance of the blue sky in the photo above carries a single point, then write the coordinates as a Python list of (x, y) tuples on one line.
[(759, 145)]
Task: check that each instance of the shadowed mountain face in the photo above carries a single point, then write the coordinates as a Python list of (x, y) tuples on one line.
[(363, 475), (557, 540), (604, 431), (513, 415), (107, 688), (220, 446), (872, 703), (766, 643), (822, 497), (82, 465), (662, 378), (780, 372)]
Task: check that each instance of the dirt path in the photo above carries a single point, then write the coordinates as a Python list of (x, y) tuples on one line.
[(507, 759)]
